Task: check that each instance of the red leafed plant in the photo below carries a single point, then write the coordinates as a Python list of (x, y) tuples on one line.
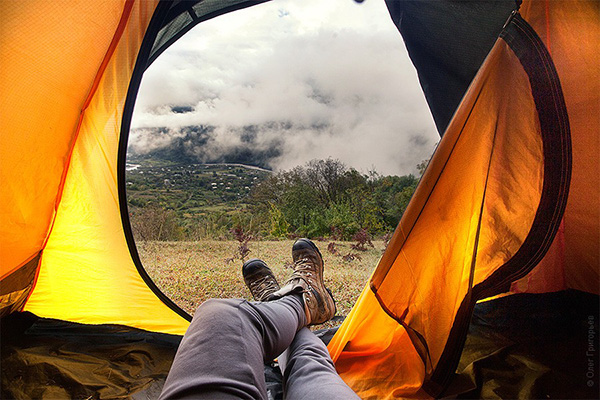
[(243, 239), (363, 239)]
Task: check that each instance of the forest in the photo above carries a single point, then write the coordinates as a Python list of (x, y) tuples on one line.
[(321, 199)]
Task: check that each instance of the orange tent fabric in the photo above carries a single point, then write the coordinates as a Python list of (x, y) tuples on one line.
[(483, 202)]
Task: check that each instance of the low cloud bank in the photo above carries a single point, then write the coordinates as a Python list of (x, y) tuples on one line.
[(289, 90)]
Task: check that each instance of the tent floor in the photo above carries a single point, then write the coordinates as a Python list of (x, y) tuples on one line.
[(532, 346), (520, 346)]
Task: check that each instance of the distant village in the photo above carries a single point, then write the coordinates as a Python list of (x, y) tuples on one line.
[(188, 186)]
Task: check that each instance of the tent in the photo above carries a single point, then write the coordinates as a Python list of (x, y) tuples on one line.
[(512, 186), (509, 203)]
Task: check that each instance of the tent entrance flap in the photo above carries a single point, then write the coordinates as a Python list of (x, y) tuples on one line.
[(556, 138), (484, 214)]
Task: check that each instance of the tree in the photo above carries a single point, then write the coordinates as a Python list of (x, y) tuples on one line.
[(326, 195), (279, 226)]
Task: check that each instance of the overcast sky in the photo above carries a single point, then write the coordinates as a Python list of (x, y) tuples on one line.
[(316, 78)]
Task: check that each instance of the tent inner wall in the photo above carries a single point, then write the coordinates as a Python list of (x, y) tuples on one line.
[(87, 273), (65, 219), (41, 97), (573, 261)]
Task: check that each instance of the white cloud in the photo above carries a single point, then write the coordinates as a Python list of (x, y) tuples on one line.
[(320, 79)]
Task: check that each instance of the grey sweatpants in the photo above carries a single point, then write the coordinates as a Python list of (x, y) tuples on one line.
[(223, 352)]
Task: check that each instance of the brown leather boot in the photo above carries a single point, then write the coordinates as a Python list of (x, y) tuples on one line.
[(308, 280), (260, 279)]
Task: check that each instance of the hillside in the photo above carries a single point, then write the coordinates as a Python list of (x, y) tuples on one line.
[(189, 188)]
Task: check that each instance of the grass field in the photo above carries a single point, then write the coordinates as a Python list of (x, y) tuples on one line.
[(192, 272)]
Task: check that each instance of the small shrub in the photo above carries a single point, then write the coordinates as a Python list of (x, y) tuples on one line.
[(335, 233), (278, 225), (243, 238), (351, 257), (386, 240), (332, 248), (363, 239), (293, 236), (156, 223)]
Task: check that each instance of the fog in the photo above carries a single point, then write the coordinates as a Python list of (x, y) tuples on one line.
[(290, 81)]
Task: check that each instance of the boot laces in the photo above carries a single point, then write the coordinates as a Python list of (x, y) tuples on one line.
[(262, 283), (304, 266)]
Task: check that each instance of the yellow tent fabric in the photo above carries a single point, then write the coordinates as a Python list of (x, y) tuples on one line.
[(476, 206), (65, 203)]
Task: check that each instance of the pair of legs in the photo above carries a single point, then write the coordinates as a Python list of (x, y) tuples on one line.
[(223, 352)]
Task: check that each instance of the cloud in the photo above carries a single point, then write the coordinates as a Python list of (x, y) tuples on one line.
[(145, 140), (313, 79)]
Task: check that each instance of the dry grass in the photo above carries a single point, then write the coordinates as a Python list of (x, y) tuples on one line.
[(192, 272)]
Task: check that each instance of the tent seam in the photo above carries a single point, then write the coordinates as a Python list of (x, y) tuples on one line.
[(99, 74)]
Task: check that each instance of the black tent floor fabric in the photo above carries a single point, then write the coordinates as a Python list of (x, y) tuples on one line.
[(533, 346)]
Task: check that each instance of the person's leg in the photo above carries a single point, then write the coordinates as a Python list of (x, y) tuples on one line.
[(223, 352), (309, 372)]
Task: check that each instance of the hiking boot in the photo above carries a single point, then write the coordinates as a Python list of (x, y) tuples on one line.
[(307, 279), (260, 279)]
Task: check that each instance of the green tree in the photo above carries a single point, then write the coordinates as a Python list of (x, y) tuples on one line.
[(326, 195), (279, 226)]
